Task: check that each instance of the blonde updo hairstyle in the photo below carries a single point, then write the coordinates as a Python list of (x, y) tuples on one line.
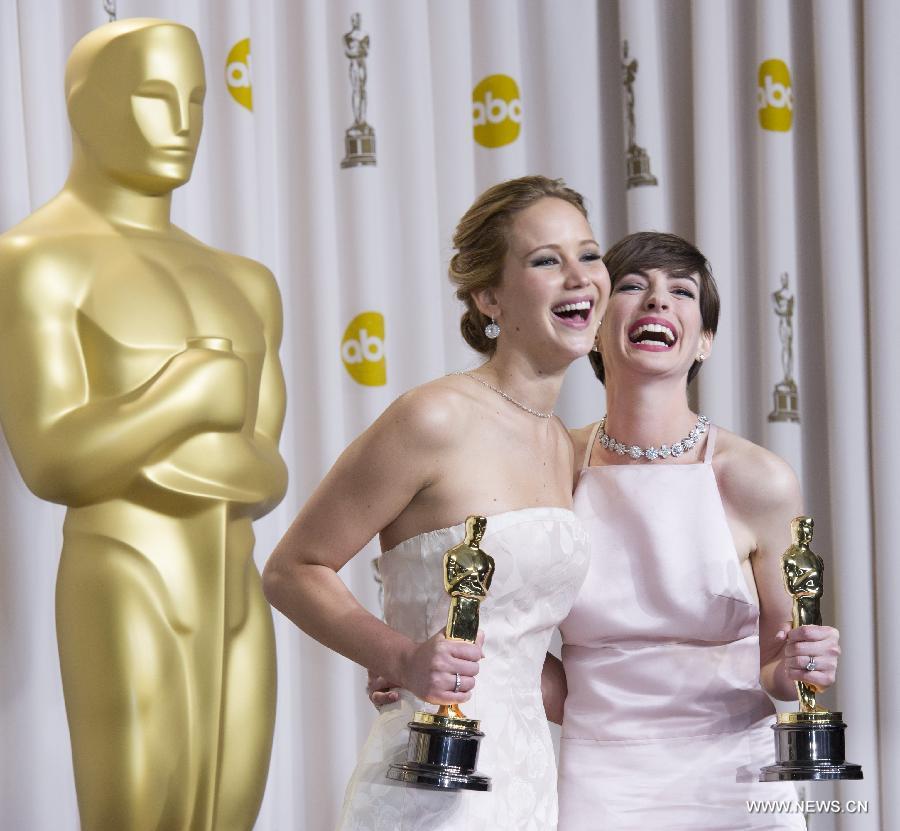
[(482, 240)]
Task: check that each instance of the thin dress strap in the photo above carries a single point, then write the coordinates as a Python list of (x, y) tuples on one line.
[(710, 445), (590, 446)]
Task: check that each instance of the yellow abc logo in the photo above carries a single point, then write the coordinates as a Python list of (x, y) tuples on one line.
[(496, 111), (238, 75), (774, 96), (362, 349)]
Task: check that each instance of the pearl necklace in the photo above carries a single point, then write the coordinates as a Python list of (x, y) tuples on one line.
[(651, 454), (509, 398)]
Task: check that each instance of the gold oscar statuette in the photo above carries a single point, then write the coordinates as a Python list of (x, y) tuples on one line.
[(443, 747), (146, 395), (809, 743)]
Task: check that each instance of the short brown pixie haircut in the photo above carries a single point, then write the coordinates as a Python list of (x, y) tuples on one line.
[(640, 252)]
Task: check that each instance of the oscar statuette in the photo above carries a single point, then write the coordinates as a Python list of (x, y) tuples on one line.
[(809, 743), (443, 746)]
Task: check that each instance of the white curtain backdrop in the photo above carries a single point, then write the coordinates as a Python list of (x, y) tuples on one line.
[(770, 129)]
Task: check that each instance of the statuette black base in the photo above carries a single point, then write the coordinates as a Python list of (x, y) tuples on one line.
[(441, 757), (809, 747)]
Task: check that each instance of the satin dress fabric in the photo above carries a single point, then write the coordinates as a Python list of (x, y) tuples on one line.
[(666, 725), (541, 557)]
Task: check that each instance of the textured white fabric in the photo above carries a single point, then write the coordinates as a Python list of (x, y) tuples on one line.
[(343, 241), (541, 557)]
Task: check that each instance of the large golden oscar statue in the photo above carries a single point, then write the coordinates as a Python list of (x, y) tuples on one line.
[(141, 387)]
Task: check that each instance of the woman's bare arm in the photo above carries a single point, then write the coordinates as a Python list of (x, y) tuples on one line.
[(767, 496), (372, 482), (554, 688)]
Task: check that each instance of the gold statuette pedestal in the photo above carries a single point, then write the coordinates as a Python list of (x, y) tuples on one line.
[(359, 146), (785, 402), (809, 744), (443, 747), (637, 165)]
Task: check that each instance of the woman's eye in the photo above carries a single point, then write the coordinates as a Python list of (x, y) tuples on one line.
[(629, 287), (544, 261), (590, 256), (685, 293)]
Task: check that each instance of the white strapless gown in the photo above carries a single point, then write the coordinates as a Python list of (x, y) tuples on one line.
[(541, 557)]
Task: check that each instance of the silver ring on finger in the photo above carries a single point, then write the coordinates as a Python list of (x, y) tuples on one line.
[(811, 664), (458, 683)]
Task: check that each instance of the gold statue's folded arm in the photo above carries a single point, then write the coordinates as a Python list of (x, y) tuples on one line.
[(78, 443), (269, 419)]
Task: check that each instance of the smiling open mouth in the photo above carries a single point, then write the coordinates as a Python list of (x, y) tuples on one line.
[(652, 334), (577, 312)]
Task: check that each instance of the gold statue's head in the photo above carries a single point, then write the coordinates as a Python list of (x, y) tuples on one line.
[(475, 526), (802, 530), (134, 91)]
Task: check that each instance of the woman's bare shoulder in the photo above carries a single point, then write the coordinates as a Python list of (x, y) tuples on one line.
[(752, 478), (435, 412)]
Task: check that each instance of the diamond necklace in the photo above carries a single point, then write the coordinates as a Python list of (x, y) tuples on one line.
[(500, 392), (651, 454)]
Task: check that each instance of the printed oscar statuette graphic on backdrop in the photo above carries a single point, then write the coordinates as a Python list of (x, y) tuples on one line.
[(442, 752), (238, 75), (496, 111), (785, 394), (775, 96), (362, 349), (147, 396), (359, 140), (637, 161), (809, 743)]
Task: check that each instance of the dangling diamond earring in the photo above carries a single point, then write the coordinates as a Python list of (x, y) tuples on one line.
[(596, 346), (701, 358), (492, 330)]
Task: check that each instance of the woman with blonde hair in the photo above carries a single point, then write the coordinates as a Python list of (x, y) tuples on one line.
[(483, 442)]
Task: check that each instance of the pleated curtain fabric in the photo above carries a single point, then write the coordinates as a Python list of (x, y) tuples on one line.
[(764, 131), (880, 117)]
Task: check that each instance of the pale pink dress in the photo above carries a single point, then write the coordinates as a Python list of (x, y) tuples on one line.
[(666, 725)]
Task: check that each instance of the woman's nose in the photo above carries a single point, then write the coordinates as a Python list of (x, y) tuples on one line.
[(656, 299), (576, 275)]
